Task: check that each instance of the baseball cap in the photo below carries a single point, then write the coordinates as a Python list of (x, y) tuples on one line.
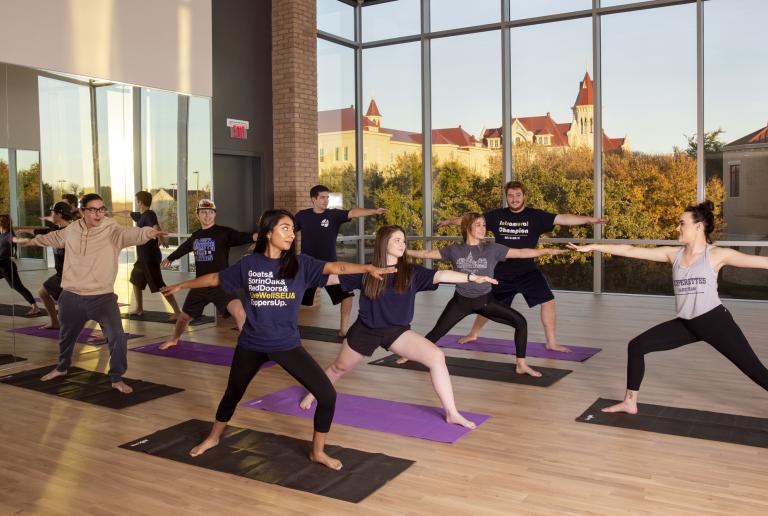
[(206, 204), (63, 209)]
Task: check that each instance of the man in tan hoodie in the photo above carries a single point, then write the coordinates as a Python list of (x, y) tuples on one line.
[(93, 245)]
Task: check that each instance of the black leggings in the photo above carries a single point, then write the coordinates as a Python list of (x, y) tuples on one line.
[(298, 363), (9, 271), (460, 306), (716, 327)]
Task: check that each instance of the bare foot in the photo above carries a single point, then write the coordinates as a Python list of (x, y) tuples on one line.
[(325, 460), (168, 344), (630, 407), (203, 447), (526, 369), (122, 387), (467, 338), (342, 335), (401, 360), (458, 419), (51, 326), (306, 403), (34, 309), (53, 374), (558, 347)]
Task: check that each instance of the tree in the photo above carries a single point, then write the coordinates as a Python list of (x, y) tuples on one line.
[(712, 142)]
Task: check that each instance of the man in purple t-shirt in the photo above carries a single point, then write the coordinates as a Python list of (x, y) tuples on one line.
[(518, 227), (320, 227)]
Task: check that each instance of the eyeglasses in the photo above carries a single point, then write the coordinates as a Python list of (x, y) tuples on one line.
[(101, 210)]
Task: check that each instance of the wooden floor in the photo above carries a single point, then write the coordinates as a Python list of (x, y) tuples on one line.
[(531, 457)]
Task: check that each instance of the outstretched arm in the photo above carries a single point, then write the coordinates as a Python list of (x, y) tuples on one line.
[(461, 277), (724, 256), (52, 239), (533, 253), (366, 212), (206, 281), (566, 219), (653, 254), (432, 254), (334, 269), (455, 221)]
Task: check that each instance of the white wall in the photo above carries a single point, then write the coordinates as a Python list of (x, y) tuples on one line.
[(157, 43)]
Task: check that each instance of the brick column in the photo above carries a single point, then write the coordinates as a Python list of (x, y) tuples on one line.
[(294, 101)]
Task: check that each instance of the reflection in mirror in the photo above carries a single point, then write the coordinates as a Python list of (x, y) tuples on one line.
[(65, 136)]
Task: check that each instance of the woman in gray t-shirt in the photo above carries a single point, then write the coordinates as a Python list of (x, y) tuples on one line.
[(700, 315), (476, 258)]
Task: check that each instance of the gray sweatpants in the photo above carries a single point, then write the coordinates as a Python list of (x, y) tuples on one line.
[(74, 311)]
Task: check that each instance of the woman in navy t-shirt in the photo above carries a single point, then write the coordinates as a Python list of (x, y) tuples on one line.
[(386, 311), (274, 279)]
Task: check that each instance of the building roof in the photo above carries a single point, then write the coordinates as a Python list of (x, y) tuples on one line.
[(586, 95), (612, 144), (541, 125), (759, 136), (373, 109), (338, 120)]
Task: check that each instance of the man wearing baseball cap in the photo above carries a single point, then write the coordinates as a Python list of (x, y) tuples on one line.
[(211, 246), (61, 216)]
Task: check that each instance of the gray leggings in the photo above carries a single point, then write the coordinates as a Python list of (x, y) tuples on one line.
[(74, 311)]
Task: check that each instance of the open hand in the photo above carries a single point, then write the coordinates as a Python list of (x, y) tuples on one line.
[(580, 248), (156, 233), (379, 272), (485, 279), (166, 264), (170, 290)]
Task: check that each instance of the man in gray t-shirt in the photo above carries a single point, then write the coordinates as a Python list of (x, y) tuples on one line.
[(474, 259)]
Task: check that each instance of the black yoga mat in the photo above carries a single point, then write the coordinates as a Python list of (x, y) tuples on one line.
[(20, 310), (321, 334), (89, 386), (275, 459), (162, 317), (483, 370), (713, 426), (10, 359)]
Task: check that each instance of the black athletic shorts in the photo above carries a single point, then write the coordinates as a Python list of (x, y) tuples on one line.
[(532, 285), (198, 299), (53, 286), (147, 274), (337, 295), (365, 340)]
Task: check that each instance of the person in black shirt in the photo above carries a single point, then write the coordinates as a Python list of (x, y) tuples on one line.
[(61, 216), (146, 270), (321, 227), (8, 268), (386, 311), (519, 227), (211, 247)]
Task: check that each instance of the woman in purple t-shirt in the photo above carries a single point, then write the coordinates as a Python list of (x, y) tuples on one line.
[(475, 257), (275, 279), (386, 311)]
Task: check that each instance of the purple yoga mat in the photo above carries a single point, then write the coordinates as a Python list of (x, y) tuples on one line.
[(87, 336), (195, 352), (393, 417), (507, 347)]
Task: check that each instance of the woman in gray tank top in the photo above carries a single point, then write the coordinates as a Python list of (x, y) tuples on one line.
[(700, 314)]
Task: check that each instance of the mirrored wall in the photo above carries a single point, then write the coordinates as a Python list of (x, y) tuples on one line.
[(62, 136)]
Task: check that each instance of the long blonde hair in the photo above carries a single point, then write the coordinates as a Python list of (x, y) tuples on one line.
[(372, 287)]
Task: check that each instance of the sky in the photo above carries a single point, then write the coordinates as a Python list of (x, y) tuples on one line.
[(648, 67)]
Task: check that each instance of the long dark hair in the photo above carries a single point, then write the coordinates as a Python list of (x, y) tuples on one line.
[(466, 223), (705, 213), (289, 265), (5, 222), (372, 286)]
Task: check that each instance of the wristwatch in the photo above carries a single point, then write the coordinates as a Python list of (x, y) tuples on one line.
[(469, 276)]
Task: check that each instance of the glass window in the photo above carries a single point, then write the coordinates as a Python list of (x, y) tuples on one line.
[(391, 19), (392, 137), (159, 154), (520, 9), (336, 18), (452, 14), (466, 173), (114, 120), (29, 195), (65, 137), (199, 166), (736, 114), (649, 80), (336, 126)]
